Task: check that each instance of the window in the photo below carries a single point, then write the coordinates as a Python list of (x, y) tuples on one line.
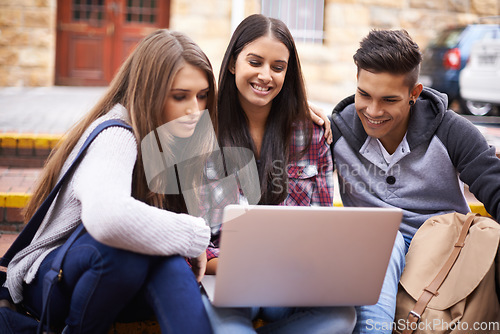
[(304, 18), (91, 11), (141, 11)]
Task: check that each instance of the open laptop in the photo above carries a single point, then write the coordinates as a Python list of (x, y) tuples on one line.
[(302, 256)]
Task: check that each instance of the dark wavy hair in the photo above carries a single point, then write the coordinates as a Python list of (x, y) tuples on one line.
[(390, 51), (289, 108)]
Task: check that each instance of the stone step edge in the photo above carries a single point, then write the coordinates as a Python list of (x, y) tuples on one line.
[(10, 140), (14, 200)]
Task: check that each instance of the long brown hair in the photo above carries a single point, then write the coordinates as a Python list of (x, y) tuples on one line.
[(289, 109), (141, 86)]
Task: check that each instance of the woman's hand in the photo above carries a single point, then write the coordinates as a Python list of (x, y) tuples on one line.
[(6, 303), (199, 265), (320, 118)]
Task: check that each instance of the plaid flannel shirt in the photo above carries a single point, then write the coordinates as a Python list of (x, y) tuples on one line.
[(310, 182)]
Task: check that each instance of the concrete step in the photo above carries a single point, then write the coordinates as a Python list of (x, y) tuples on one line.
[(22, 155), (23, 150), (16, 186)]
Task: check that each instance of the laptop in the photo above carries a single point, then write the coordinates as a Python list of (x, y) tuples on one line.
[(302, 256)]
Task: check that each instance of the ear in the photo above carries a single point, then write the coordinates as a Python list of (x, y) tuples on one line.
[(231, 65), (415, 92)]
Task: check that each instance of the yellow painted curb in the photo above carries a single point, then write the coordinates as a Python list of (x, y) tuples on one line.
[(25, 141), (14, 200), (29, 140), (46, 142), (8, 140), (19, 200), (52, 141), (476, 207)]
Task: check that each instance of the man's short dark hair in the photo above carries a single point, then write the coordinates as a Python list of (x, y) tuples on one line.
[(390, 51)]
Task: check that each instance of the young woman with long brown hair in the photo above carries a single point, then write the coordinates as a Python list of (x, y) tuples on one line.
[(132, 256)]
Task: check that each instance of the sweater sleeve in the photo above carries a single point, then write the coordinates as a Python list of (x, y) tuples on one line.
[(103, 185), (475, 161)]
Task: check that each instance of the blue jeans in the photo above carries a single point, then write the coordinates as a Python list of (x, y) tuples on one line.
[(100, 283), (379, 318), (286, 320)]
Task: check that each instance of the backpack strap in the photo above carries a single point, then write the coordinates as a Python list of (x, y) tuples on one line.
[(53, 276), (29, 231)]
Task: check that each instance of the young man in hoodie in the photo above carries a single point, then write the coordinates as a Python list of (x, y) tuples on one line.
[(396, 144)]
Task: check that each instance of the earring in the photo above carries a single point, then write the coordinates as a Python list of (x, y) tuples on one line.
[(412, 102)]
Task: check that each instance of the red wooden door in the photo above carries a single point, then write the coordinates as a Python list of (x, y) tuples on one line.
[(95, 36)]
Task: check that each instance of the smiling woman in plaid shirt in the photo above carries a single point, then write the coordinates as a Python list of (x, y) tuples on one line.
[(263, 107)]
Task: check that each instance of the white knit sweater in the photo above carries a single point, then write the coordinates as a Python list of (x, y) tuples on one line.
[(99, 194)]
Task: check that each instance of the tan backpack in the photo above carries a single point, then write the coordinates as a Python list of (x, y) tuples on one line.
[(452, 277)]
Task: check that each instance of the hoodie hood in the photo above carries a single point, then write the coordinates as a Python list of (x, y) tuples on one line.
[(425, 117)]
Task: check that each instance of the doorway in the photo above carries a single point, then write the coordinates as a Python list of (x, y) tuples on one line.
[(95, 36)]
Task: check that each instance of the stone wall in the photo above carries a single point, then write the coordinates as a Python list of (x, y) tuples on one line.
[(27, 35), (329, 68), (208, 23), (27, 42)]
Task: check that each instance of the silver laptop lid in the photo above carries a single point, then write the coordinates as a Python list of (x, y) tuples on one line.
[(303, 256)]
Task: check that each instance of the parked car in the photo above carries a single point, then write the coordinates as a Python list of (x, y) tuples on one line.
[(480, 79), (447, 55)]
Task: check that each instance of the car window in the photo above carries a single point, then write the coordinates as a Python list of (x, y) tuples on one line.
[(448, 38), (492, 34), (479, 32)]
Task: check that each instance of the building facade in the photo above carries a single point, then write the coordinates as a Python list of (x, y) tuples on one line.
[(33, 53)]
